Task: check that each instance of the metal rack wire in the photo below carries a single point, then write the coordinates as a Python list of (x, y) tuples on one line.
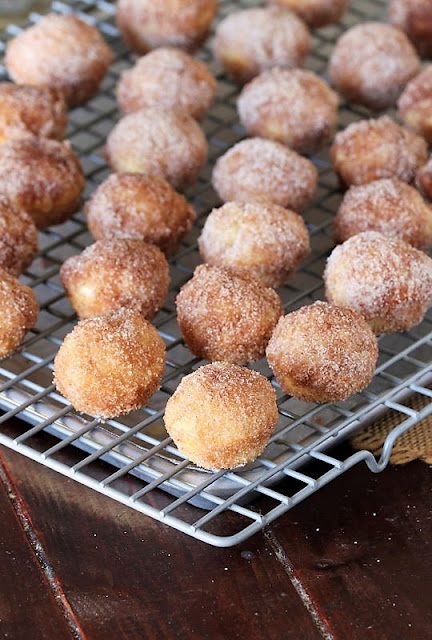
[(220, 508)]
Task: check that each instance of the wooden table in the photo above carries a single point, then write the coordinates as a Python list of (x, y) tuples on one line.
[(352, 562)]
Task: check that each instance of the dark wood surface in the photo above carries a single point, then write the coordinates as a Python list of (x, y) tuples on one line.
[(352, 562)]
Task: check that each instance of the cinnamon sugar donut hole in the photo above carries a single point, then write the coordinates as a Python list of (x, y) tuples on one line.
[(316, 13), (63, 52), (371, 64), (256, 169), (110, 365), (38, 111), (424, 179), (18, 240), (323, 353), (161, 142), (259, 238), (44, 177), (291, 106), (148, 24), (368, 150), (415, 18), (389, 206), (222, 415), (387, 280), (115, 273), (224, 315), (18, 312), (253, 40), (415, 104), (167, 78), (134, 205)]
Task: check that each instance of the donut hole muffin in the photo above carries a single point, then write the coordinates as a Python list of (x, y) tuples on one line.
[(389, 206), (254, 40), (44, 177), (259, 238), (148, 24), (322, 353), (415, 104), (368, 150), (133, 205), (18, 240), (385, 279), (63, 52), (161, 142), (18, 312), (371, 64), (110, 365), (110, 274), (167, 78), (222, 415), (316, 13), (415, 18), (224, 315), (291, 106), (257, 169)]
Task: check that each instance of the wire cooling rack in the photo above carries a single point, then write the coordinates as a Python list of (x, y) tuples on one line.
[(227, 507)]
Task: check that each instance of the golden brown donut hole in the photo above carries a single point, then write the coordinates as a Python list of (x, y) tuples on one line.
[(389, 206), (162, 142), (115, 273), (323, 353), (224, 315), (387, 280), (133, 205), (371, 64), (260, 238), (254, 40), (18, 240), (38, 111), (148, 24), (316, 13), (415, 18), (291, 106), (63, 52), (256, 169), (167, 78), (18, 312), (44, 177), (415, 104), (110, 365), (222, 415), (368, 150)]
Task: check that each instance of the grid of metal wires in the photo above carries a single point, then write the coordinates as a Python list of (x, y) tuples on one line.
[(131, 459)]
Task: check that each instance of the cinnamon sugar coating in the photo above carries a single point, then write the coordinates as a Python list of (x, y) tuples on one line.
[(259, 238), (63, 52), (161, 142), (222, 415), (316, 13), (253, 40), (224, 315), (148, 24), (371, 64), (168, 78), (323, 353), (38, 111), (18, 239), (115, 273), (389, 206), (291, 106), (369, 150), (388, 281), (256, 169), (415, 104), (133, 205), (44, 177), (424, 179), (18, 312), (415, 18), (110, 365)]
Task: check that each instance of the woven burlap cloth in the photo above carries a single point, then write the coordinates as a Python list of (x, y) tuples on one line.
[(416, 443)]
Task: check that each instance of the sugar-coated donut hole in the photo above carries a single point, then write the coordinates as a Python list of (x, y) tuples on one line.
[(18, 312), (415, 104), (415, 18), (316, 13), (18, 239)]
